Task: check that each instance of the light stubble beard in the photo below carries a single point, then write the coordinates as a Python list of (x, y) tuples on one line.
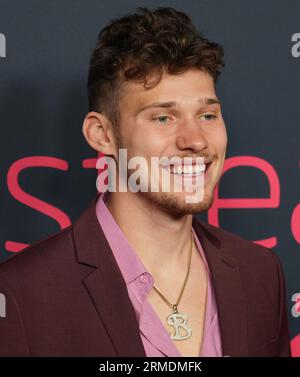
[(177, 206)]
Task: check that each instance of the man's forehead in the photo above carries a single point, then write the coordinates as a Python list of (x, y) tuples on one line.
[(140, 96)]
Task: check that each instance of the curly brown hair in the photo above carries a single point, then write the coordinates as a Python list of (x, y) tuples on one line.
[(141, 44)]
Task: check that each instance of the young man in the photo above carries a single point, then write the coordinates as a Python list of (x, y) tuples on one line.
[(137, 274)]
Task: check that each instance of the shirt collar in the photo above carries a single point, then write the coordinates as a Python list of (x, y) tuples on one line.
[(128, 260)]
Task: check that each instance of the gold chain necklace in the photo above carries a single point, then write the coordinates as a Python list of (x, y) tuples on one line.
[(177, 319)]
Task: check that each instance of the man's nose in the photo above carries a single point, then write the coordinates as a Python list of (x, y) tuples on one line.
[(191, 137)]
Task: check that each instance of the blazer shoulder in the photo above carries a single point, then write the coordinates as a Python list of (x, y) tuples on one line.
[(38, 254)]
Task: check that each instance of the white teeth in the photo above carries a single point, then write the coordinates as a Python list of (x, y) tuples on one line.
[(186, 169), (190, 169)]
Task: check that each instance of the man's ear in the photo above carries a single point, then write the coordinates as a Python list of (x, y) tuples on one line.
[(99, 133)]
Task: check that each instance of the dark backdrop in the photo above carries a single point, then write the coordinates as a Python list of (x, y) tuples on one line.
[(47, 176)]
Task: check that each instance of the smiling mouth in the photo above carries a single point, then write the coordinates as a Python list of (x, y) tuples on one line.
[(188, 170)]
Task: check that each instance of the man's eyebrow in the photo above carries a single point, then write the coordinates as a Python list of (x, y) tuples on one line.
[(203, 101)]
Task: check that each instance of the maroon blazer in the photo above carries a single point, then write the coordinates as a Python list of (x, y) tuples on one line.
[(65, 296)]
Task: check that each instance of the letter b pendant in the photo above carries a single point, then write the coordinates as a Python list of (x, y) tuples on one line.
[(178, 320)]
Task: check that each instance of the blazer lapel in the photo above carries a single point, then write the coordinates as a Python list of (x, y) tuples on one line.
[(230, 298), (106, 286)]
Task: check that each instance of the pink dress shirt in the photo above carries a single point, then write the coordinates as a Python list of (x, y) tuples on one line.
[(139, 281)]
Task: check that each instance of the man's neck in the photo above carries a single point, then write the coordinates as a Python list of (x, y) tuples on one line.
[(161, 240)]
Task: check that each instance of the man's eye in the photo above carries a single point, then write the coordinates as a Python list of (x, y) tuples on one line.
[(210, 116), (161, 117)]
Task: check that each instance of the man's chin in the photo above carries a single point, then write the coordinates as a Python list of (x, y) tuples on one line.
[(179, 204)]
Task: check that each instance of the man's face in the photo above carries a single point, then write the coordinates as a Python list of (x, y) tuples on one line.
[(192, 128)]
